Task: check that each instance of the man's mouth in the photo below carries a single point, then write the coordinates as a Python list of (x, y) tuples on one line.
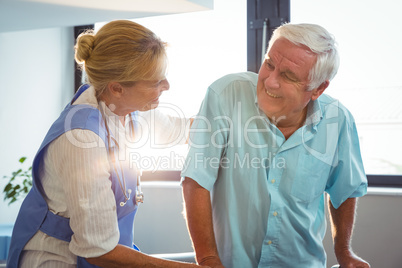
[(272, 95)]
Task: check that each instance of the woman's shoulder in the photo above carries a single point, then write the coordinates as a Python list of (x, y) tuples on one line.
[(87, 97)]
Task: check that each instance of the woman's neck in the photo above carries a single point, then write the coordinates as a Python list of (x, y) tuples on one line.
[(113, 108)]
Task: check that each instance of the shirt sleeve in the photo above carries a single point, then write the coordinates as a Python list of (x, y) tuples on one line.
[(207, 142), (347, 179), (162, 129), (82, 168)]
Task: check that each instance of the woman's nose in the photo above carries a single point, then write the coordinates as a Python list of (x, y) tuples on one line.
[(165, 85)]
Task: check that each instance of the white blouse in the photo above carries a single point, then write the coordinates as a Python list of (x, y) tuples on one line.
[(75, 177)]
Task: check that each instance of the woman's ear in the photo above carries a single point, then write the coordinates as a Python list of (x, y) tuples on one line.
[(115, 89), (319, 90)]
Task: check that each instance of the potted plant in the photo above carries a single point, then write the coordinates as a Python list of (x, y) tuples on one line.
[(19, 183)]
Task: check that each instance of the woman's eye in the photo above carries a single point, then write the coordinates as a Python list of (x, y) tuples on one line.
[(157, 83)]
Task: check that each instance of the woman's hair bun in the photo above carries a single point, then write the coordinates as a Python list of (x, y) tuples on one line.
[(84, 46)]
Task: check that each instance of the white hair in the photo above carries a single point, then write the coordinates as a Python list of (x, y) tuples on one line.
[(319, 41)]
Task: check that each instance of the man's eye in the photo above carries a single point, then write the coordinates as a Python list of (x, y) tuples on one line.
[(270, 65), (289, 78)]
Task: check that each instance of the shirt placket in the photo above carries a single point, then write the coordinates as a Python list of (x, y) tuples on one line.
[(272, 239)]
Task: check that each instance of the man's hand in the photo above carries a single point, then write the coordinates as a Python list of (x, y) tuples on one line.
[(342, 220), (213, 262), (348, 259)]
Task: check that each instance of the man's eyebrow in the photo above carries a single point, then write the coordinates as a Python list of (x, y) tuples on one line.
[(291, 74), (268, 59), (287, 71)]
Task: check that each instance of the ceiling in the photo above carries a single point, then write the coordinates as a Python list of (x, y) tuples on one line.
[(17, 15)]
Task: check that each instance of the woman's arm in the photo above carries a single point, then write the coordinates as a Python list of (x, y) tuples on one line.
[(162, 129), (122, 256)]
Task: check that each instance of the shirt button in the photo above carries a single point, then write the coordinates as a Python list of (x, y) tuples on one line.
[(269, 242), (273, 181), (275, 213)]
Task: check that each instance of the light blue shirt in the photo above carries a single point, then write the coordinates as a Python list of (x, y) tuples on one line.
[(267, 192)]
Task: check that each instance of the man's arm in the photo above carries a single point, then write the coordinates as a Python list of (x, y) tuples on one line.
[(342, 220), (199, 221)]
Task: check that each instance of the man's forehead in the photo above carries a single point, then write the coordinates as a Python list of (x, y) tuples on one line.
[(292, 55)]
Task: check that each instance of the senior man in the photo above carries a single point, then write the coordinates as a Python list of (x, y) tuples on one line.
[(263, 151)]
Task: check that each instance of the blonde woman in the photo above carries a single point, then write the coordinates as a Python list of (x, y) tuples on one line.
[(81, 209)]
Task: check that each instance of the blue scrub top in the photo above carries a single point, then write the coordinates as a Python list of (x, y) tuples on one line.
[(34, 214), (267, 192)]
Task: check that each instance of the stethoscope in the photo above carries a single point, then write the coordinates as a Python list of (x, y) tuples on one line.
[(139, 196)]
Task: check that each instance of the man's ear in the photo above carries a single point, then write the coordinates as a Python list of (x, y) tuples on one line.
[(115, 89), (319, 90)]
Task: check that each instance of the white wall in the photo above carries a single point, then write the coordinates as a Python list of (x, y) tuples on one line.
[(160, 226), (37, 79), (377, 236)]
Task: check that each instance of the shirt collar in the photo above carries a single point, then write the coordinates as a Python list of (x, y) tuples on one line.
[(106, 110), (87, 97), (261, 113), (314, 114)]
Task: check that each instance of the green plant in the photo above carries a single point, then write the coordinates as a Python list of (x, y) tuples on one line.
[(19, 183)]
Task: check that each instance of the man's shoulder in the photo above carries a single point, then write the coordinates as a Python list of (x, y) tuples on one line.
[(235, 81), (332, 107)]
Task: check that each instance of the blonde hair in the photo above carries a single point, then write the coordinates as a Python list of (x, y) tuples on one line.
[(121, 51)]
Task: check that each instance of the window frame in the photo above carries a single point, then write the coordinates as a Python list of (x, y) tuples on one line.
[(387, 181)]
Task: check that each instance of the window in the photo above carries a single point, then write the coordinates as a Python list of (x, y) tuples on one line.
[(368, 82), (202, 47)]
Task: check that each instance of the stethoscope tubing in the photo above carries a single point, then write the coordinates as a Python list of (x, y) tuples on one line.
[(139, 196)]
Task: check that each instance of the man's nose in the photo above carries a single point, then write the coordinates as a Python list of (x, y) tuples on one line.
[(272, 80)]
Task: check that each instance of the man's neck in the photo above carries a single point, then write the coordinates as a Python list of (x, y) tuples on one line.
[(289, 126)]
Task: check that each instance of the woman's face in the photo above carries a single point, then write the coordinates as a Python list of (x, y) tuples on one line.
[(142, 96)]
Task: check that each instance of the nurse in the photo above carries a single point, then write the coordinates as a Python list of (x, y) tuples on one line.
[(81, 209)]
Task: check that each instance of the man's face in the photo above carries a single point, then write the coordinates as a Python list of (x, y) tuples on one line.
[(283, 82)]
